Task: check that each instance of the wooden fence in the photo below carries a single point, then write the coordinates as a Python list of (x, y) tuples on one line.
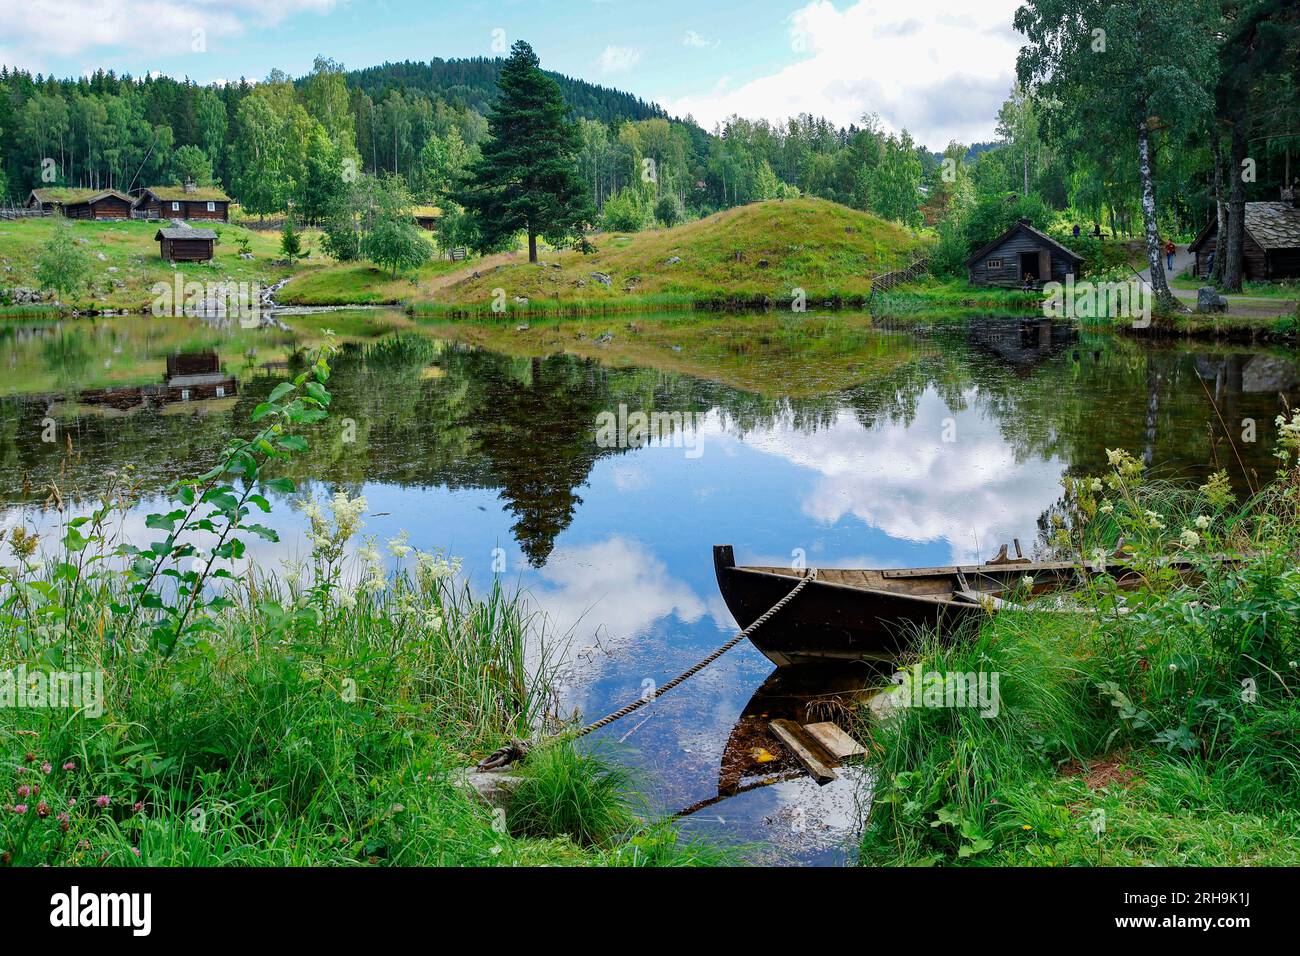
[(22, 212), (883, 283)]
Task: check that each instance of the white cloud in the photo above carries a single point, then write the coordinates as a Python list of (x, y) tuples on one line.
[(618, 59), (68, 27), (616, 584), (917, 64), (697, 42), (973, 494)]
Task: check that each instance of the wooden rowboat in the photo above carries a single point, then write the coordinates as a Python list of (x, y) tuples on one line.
[(854, 614)]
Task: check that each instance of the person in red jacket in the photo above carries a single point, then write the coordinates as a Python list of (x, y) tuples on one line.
[(1170, 249)]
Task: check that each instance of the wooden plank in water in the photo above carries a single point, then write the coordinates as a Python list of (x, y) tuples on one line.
[(837, 743), (792, 735)]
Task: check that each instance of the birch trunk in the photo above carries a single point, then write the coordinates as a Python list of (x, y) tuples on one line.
[(1159, 287)]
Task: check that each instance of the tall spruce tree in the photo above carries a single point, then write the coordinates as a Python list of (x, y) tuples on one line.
[(527, 178)]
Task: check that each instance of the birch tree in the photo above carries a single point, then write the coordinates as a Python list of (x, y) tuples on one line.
[(1135, 74)]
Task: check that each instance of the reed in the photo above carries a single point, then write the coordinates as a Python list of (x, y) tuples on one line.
[(319, 715), (1158, 729)]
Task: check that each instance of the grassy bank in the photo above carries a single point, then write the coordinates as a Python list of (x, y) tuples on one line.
[(126, 263), (315, 716), (358, 283), (931, 296), (1163, 728), (745, 257)]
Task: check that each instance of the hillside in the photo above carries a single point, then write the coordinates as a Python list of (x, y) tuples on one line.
[(744, 256), (125, 261), (472, 82)]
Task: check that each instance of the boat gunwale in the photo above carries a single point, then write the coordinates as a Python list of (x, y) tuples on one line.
[(857, 588)]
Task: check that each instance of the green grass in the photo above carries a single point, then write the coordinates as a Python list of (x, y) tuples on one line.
[(742, 257), (129, 249), (569, 793), (936, 296), (358, 283), (1166, 735), (1286, 290), (319, 715)]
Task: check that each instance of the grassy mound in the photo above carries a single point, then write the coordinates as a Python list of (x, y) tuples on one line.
[(744, 256)]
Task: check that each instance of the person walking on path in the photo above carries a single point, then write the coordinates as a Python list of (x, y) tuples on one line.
[(1170, 249)]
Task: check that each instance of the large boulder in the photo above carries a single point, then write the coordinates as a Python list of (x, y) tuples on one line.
[(1209, 300)]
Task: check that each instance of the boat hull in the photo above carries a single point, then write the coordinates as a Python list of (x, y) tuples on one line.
[(852, 614), (830, 622)]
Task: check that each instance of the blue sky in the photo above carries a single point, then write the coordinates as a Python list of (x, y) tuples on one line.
[(938, 67)]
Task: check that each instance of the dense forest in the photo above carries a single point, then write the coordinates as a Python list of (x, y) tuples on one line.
[(1144, 117)]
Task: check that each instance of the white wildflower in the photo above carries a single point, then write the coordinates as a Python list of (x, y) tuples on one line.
[(1203, 522), (1189, 539), (375, 580), (398, 546)]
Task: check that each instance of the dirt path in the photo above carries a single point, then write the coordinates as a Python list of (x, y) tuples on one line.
[(449, 279), (1240, 306)]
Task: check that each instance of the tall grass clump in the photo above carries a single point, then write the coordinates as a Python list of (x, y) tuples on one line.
[(1154, 721), (567, 792), (229, 715)]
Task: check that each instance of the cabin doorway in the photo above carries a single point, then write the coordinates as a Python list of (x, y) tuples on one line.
[(1029, 266)]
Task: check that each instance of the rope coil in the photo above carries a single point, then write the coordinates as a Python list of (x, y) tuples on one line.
[(517, 749)]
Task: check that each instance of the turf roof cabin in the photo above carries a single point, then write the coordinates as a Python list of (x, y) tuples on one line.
[(1272, 243), (426, 217), (183, 244), (1022, 255), (184, 202), (82, 203)]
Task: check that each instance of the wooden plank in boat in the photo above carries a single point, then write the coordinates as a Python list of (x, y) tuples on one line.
[(837, 743), (792, 735), (988, 600)]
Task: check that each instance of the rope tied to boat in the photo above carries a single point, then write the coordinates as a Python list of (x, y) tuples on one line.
[(518, 749)]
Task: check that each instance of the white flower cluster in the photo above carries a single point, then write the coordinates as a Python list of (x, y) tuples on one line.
[(1289, 435), (328, 538), (432, 568)]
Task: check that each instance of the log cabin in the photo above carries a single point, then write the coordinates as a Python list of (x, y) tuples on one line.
[(183, 244), (82, 203), (1022, 251), (426, 217), (1272, 241), (184, 202)]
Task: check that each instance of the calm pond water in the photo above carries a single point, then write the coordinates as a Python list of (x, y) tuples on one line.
[(824, 437)]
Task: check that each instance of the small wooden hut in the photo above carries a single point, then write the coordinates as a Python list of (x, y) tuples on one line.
[(426, 217), (183, 244), (1022, 255)]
